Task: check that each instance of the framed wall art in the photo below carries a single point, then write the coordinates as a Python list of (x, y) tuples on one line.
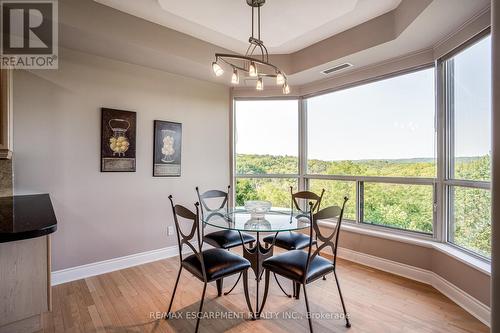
[(118, 140), (167, 149)]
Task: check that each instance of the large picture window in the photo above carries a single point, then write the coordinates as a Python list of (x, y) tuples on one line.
[(468, 92), (384, 129), (411, 151)]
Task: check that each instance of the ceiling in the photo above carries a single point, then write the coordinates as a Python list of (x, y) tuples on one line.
[(422, 34), (183, 39), (287, 25)]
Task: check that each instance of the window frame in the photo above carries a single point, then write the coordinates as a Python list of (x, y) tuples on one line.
[(361, 180), (235, 176), (441, 183), (445, 72)]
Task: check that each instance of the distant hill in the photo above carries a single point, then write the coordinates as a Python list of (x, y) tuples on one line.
[(399, 160)]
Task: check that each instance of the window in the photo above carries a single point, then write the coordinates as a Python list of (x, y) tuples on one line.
[(335, 191), (384, 128), (266, 137), (470, 91), (468, 95), (266, 143), (276, 190), (376, 143), (408, 207), (471, 219)]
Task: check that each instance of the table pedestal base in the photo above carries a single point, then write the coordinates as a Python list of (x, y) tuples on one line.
[(256, 255)]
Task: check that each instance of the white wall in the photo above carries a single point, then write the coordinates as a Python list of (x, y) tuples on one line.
[(57, 150)]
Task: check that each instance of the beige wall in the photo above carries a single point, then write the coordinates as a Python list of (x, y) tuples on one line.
[(57, 150), (470, 280), (465, 277), (105, 215)]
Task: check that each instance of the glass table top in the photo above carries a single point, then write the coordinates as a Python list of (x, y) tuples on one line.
[(241, 220)]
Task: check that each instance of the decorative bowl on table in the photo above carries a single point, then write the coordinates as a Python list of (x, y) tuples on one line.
[(259, 224), (257, 208)]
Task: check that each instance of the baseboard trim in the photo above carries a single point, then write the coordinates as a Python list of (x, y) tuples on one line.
[(106, 266), (457, 295)]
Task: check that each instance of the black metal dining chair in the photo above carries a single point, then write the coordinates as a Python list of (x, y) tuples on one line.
[(291, 240), (208, 265), (304, 267), (224, 239)]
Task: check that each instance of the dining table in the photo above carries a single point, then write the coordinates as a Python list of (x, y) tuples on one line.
[(274, 221)]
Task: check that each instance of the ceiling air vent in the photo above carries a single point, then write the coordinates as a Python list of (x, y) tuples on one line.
[(336, 68)]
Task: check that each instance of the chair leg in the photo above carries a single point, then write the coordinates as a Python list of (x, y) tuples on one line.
[(201, 307), (173, 294), (247, 296), (279, 285), (238, 280), (308, 310), (219, 283), (266, 291), (297, 290), (347, 323)]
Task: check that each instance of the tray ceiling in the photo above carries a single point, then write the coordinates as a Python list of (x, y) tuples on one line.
[(287, 25)]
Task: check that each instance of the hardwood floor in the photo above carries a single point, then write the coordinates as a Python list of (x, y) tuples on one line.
[(128, 300)]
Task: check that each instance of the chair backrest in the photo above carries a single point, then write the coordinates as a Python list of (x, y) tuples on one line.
[(194, 231), (213, 194), (309, 196), (331, 240)]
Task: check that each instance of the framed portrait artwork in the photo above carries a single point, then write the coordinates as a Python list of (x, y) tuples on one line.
[(118, 140), (167, 149)]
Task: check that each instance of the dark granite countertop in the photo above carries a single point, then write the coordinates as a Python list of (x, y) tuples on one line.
[(26, 216)]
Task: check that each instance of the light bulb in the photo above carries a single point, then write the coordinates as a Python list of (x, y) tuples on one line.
[(252, 69), (235, 79), (260, 84), (286, 89), (280, 79), (218, 71)]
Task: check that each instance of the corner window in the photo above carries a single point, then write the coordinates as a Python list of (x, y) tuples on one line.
[(468, 96), (376, 143)]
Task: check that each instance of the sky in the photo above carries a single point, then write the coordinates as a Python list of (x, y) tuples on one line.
[(388, 119)]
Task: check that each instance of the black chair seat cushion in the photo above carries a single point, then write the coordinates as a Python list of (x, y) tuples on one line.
[(219, 263), (226, 239), (289, 240), (292, 265)]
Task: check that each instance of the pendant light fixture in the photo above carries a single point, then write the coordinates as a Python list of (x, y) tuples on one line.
[(235, 78), (260, 84), (255, 63)]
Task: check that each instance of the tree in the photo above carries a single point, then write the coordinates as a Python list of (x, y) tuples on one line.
[(408, 207)]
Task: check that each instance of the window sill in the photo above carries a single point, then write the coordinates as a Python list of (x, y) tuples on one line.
[(447, 249)]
